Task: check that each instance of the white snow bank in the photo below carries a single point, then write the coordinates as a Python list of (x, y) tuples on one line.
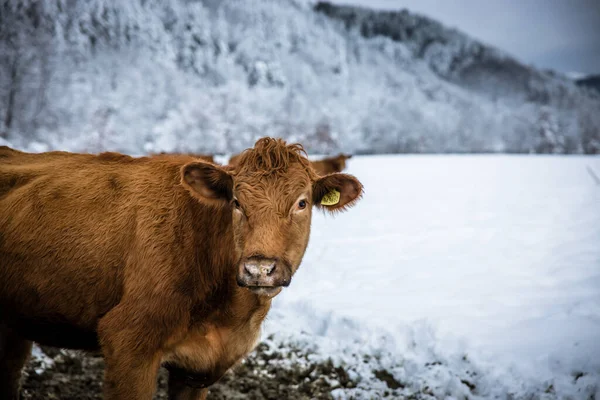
[(482, 269), (43, 360)]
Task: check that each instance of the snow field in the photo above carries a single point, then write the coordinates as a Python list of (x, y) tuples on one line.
[(482, 269)]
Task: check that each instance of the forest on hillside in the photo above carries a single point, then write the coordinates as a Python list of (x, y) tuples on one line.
[(210, 76)]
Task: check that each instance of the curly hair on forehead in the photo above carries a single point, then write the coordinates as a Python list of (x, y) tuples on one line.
[(273, 156)]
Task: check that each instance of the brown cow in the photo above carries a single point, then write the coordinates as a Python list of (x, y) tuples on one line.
[(205, 157), (331, 164), (233, 160), (154, 260)]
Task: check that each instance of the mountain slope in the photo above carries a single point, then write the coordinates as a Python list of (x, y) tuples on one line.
[(213, 76), (592, 81)]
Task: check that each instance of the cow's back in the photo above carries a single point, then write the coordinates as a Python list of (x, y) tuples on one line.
[(68, 224)]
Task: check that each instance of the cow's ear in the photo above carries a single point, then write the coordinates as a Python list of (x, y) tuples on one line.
[(208, 183), (336, 192)]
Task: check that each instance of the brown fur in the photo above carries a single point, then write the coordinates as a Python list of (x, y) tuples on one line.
[(205, 157), (322, 167), (149, 259), (233, 160), (331, 165)]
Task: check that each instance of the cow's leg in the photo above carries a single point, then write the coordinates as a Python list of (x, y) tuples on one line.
[(132, 356), (14, 352), (178, 390)]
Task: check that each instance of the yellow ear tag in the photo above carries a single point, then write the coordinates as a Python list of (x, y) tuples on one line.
[(331, 198)]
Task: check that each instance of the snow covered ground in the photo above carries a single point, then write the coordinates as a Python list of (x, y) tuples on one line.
[(462, 276)]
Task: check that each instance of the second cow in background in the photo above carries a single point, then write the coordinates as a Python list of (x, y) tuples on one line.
[(331, 164)]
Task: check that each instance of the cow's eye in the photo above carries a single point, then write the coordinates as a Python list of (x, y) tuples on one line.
[(236, 203), (302, 204)]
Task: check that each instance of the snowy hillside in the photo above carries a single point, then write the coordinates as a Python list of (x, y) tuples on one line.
[(591, 82), (208, 75)]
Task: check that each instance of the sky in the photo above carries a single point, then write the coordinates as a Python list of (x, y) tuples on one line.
[(563, 35)]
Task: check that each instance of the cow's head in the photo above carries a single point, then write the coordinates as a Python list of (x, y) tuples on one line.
[(270, 193)]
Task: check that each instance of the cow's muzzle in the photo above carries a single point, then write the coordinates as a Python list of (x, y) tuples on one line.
[(263, 276)]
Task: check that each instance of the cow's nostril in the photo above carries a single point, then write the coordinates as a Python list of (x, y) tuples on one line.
[(262, 268)]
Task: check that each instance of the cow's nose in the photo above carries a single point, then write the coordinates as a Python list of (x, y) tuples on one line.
[(259, 267)]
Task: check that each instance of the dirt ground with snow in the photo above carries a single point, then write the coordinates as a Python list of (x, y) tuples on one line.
[(76, 375)]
